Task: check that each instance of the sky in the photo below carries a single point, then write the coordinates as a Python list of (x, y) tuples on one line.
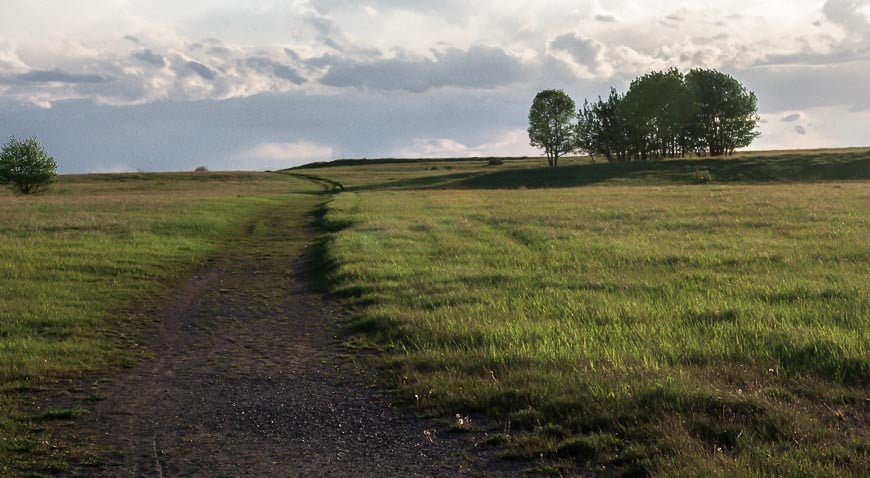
[(159, 85)]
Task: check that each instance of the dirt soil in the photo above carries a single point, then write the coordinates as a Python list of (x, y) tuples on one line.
[(250, 379)]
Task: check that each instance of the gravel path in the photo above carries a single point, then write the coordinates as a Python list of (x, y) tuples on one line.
[(250, 379)]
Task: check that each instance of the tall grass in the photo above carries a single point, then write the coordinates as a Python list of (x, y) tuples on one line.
[(78, 265), (675, 329)]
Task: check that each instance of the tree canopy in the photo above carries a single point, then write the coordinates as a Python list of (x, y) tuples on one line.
[(551, 124), (26, 166), (726, 115), (664, 114)]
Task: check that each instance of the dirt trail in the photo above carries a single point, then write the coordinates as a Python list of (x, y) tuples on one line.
[(249, 379)]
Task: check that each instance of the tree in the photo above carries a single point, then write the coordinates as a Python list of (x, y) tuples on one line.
[(667, 114), (726, 115), (602, 129), (26, 166), (551, 126), (659, 107)]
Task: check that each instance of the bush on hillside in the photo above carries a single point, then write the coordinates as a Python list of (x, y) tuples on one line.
[(25, 166)]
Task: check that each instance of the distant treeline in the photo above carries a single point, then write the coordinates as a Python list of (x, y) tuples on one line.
[(664, 114)]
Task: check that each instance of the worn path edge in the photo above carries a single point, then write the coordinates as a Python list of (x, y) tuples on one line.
[(249, 378)]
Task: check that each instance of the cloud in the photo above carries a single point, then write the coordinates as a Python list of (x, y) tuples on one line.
[(800, 130), (584, 51), (280, 70), (59, 76), (150, 57), (851, 15), (513, 142), (579, 51), (203, 71), (800, 87), (273, 156), (791, 117), (479, 67), (605, 18)]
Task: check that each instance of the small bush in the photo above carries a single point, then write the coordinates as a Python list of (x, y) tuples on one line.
[(201, 169), (25, 165), (495, 162), (701, 176)]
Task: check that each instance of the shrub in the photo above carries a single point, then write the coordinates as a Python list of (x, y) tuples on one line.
[(701, 176), (25, 165), (495, 162), (201, 169)]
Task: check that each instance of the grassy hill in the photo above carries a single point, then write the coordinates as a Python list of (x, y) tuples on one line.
[(636, 318), (687, 317)]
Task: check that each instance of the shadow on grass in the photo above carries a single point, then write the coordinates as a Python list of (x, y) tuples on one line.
[(788, 168), (437, 181)]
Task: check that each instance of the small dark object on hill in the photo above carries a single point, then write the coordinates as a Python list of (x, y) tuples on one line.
[(26, 166), (701, 176), (495, 162), (201, 169)]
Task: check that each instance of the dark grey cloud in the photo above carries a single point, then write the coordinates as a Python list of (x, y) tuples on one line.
[(846, 14), (131, 38), (800, 130), (478, 67), (292, 54), (584, 51), (201, 70), (279, 70), (59, 76), (791, 117), (220, 51), (150, 57), (323, 61), (605, 18)]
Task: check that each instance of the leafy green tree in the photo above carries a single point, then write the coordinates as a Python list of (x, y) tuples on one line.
[(726, 116), (602, 128), (551, 124), (659, 107), (26, 166)]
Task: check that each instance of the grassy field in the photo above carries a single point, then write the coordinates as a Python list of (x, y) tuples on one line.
[(618, 315), (80, 265)]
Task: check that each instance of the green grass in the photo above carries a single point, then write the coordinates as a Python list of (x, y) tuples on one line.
[(633, 321), (81, 266)]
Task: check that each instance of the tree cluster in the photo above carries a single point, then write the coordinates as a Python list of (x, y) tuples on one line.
[(664, 114)]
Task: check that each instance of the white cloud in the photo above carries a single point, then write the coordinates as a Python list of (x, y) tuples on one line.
[(819, 127), (513, 142), (274, 156), (453, 77)]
